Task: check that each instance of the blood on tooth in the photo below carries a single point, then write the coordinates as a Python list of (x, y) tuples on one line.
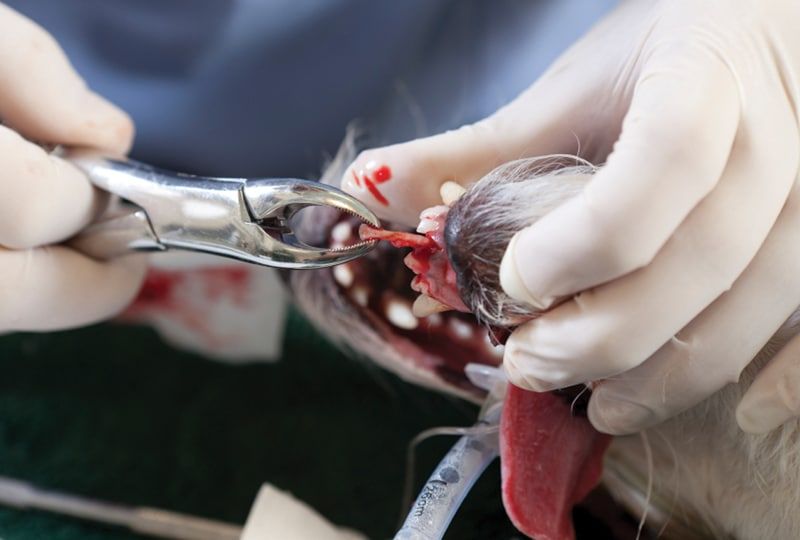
[(398, 312), (360, 296), (343, 275), (342, 232)]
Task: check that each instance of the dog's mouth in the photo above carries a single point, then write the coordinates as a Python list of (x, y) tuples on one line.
[(550, 453), (440, 343)]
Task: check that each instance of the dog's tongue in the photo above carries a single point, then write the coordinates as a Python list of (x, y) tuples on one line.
[(550, 460)]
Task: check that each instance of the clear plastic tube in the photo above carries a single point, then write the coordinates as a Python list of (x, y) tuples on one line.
[(447, 487)]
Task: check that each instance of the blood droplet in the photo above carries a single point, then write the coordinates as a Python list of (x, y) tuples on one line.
[(378, 176), (382, 174)]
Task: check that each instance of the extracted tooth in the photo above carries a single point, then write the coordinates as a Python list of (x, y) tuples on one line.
[(451, 192), (424, 305)]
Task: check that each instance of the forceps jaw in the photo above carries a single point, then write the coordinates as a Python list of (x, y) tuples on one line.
[(274, 203), (242, 219), (281, 198)]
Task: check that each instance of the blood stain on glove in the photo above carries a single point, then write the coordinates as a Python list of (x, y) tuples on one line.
[(378, 175)]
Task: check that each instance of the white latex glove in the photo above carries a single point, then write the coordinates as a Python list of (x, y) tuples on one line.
[(686, 244), (774, 396), (43, 199)]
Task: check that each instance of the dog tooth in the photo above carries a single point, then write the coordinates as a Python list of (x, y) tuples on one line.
[(461, 329), (343, 275), (342, 232), (434, 319), (426, 225), (399, 313), (360, 296), (424, 306), (451, 192)]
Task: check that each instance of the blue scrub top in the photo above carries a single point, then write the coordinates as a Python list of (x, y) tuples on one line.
[(267, 87)]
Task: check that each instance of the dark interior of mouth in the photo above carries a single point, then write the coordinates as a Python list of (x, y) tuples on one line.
[(551, 456)]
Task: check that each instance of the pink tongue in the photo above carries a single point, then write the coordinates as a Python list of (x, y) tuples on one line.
[(550, 460)]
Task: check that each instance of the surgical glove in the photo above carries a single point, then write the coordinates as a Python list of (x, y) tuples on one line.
[(43, 199), (774, 396), (680, 259)]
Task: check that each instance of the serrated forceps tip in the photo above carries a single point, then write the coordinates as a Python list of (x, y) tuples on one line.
[(244, 219)]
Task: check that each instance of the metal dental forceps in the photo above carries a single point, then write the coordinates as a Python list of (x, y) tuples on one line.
[(245, 219)]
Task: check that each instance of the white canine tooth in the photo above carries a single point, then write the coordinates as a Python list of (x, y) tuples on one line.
[(432, 218), (427, 225), (461, 329), (424, 305), (342, 232), (399, 314), (451, 192), (343, 275), (360, 296)]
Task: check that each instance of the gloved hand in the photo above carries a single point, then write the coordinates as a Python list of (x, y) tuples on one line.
[(774, 396), (43, 199), (682, 256)]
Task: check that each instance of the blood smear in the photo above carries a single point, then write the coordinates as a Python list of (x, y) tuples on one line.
[(379, 175), (181, 296)]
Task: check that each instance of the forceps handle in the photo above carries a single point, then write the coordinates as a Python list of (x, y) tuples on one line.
[(116, 236), (121, 229), (246, 219), (159, 210)]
